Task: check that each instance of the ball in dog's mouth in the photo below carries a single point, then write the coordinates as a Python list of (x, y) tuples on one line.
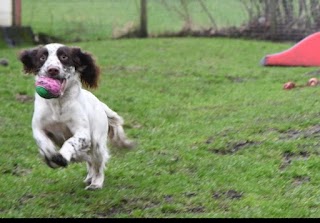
[(48, 87)]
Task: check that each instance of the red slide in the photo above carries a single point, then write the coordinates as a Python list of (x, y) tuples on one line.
[(305, 53)]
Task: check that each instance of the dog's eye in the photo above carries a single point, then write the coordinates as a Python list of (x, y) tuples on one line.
[(43, 58), (63, 57)]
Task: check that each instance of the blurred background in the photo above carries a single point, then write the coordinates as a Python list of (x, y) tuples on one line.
[(83, 20)]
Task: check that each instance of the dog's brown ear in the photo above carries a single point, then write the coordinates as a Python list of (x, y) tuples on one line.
[(27, 57), (86, 66)]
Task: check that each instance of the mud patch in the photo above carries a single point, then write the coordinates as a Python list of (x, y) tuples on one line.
[(232, 148), (288, 156), (17, 170), (298, 180), (190, 194), (210, 140), (313, 131), (197, 209), (290, 134), (230, 194), (25, 199), (168, 198), (4, 62), (24, 98), (126, 206)]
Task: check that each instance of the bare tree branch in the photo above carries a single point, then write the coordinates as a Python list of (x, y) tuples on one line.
[(204, 7)]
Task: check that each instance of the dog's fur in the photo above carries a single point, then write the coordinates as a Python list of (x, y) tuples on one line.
[(76, 123)]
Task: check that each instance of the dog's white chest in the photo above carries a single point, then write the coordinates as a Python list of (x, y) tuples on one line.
[(57, 132)]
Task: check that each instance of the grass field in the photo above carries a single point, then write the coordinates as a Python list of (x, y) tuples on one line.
[(76, 20), (217, 136)]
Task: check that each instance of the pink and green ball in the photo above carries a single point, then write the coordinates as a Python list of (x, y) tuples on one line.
[(48, 87)]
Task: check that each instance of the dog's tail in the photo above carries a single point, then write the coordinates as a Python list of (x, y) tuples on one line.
[(116, 132)]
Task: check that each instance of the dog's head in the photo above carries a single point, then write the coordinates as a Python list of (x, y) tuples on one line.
[(61, 62)]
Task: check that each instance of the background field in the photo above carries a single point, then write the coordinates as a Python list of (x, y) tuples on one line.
[(76, 20), (217, 135)]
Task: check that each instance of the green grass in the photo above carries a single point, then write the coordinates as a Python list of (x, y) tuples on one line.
[(76, 20), (213, 127)]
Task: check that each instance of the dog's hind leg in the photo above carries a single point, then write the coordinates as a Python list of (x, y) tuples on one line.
[(95, 175), (88, 178)]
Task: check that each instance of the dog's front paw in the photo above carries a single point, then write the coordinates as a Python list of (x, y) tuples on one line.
[(93, 187), (88, 180), (59, 160)]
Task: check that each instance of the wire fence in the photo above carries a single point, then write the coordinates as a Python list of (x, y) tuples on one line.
[(78, 20)]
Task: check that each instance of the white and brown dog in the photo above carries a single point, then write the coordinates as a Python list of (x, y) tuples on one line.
[(75, 126)]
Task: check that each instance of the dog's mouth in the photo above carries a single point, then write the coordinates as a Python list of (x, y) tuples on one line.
[(63, 85)]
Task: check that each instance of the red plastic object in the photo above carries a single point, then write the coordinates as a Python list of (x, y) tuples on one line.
[(305, 53)]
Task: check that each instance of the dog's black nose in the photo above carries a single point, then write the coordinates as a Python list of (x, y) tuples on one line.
[(53, 71)]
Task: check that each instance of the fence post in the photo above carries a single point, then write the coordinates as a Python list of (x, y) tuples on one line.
[(143, 32), (16, 12)]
